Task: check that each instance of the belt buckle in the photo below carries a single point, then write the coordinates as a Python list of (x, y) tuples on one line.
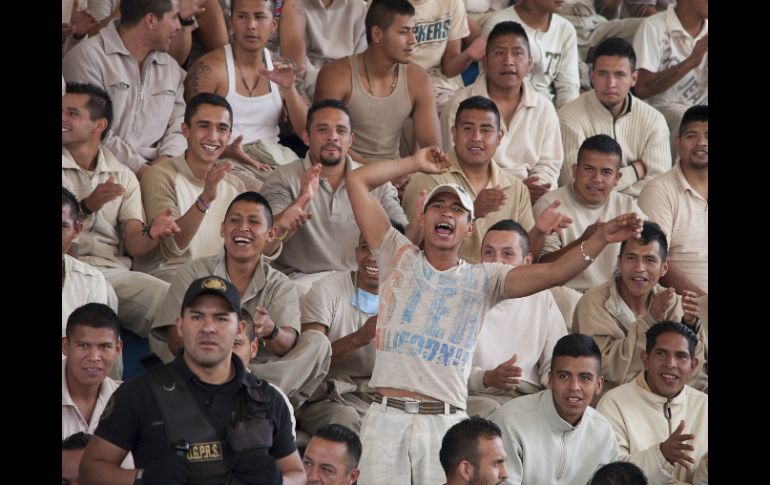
[(412, 407)]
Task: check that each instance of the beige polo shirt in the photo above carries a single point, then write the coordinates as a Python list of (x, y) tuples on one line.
[(683, 214), (518, 206), (171, 183), (531, 143), (99, 242), (83, 284), (328, 240), (269, 288), (333, 32)]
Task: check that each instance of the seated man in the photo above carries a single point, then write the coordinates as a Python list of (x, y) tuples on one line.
[(382, 87), (496, 194), (316, 185), (295, 364), (530, 147), (472, 453), (554, 47), (344, 306), (618, 313), (315, 33), (516, 342), (588, 199), (111, 207), (202, 415), (433, 306), (92, 346), (673, 60), (243, 72), (129, 59), (192, 189), (678, 201), (669, 446), (610, 109), (554, 436), (331, 456), (81, 283)]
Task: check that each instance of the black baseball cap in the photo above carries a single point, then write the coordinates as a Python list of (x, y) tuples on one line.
[(213, 285)]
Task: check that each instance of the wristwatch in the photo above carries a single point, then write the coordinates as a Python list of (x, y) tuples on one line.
[(273, 334), (186, 22)]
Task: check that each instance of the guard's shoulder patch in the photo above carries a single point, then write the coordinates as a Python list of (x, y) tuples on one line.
[(108, 408)]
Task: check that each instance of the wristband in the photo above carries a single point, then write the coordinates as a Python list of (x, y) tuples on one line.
[(585, 256)]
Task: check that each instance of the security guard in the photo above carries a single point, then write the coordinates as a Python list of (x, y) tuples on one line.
[(200, 419)]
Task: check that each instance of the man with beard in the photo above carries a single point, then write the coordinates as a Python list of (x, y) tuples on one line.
[(315, 186), (678, 202), (472, 453)]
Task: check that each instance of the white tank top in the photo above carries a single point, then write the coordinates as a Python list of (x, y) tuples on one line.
[(254, 118)]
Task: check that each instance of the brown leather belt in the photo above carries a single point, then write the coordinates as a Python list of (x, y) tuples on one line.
[(417, 407)]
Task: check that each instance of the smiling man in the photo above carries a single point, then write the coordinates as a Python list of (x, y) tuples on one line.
[(618, 313), (433, 306), (589, 199), (293, 363), (554, 436), (129, 59), (202, 416), (530, 147), (196, 190), (669, 446), (495, 193)]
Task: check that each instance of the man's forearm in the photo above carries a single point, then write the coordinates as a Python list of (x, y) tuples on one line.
[(652, 83), (375, 174), (679, 281), (283, 342)]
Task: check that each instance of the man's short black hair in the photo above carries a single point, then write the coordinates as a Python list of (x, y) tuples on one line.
[(577, 345), (382, 13), (614, 47), (338, 433), (77, 441), (133, 11), (206, 98), (479, 103), (650, 232), (94, 315), (68, 199), (512, 226), (600, 144), (694, 114), (508, 27), (257, 198), (668, 326), (461, 442), (619, 473), (99, 104), (326, 103), (271, 2)]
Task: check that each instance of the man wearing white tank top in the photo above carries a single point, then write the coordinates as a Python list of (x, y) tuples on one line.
[(257, 89)]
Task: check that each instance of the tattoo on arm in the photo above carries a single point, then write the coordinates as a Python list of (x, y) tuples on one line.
[(665, 79), (196, 79)]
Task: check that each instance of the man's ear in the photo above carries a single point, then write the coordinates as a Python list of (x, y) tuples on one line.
[(64, 345)]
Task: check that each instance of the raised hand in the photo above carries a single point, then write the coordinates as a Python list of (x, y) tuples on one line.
[(103, 193), (235, 150), (163, 225), (81, 20), (675, 450), (213, 177), (660, 303), (504, 376), (690, 307), (489, 200), (478, 48), (623, 227), (309, 180), (263, 324), (188, 8), (432, 160), (283, 73), (551, 220), (366, 333), (536, 190)]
